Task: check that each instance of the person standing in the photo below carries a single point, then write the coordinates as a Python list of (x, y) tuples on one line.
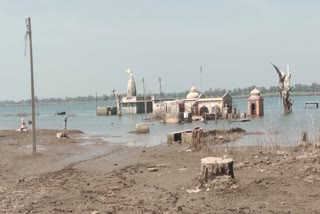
[(65, 122)]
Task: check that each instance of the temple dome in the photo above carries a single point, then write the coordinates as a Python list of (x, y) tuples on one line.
[(193, 94), (255, 92)]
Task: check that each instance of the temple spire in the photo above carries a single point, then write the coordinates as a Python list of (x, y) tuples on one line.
[(131, 91)]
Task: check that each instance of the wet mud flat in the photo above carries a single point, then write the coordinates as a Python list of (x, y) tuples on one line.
[(119, 179)]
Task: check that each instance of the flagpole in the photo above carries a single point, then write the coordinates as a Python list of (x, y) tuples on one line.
[(201, 78)]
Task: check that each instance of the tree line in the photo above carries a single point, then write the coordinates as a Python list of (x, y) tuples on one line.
[(52, 100), (314, 88)]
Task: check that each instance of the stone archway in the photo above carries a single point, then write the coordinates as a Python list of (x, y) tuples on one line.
[(253, 109), (204, 110)]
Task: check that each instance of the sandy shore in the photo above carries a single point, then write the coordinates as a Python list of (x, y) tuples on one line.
[(75, 176)]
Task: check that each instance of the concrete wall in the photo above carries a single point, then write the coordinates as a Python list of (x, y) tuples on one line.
[(135, 105), (173, 117), (106, 110), (160, 109), (195, 105), (211, 104), (142, 128), (188, 105)]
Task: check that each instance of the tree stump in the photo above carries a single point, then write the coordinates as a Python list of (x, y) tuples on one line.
[(212, 167)]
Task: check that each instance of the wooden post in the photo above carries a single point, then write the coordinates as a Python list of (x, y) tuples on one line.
[(212, 167), (304, 137), (34, 147), (197, 138)]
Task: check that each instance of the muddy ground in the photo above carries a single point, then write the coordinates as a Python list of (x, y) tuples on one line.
[(64, 177)]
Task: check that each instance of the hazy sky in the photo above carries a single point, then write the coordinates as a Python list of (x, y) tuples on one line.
[(83, 47)]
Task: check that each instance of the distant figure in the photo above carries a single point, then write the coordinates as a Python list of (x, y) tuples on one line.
[(65, 122), (23, 126)]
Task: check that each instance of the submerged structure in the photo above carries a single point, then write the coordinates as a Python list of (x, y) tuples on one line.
[(106, 110), (197, 104), (255, 103), (133, 104), (194, 105)]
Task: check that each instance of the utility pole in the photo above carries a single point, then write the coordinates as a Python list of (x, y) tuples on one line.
[(160, 96), (201, 78), (144, 98), (28, 33), (160, 88)]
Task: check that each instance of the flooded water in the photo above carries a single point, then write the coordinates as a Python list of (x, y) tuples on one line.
[(280, 128)]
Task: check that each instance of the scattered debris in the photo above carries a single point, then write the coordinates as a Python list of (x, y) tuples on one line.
[(236, 129), (162, 165), (195, 190), (20, 180), (153, 169), (62, 134), (183, 169)]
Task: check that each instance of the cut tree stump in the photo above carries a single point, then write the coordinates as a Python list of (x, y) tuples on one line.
[(212, 167)]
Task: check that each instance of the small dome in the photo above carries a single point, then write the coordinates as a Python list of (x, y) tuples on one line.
[(255, 92), (193, 89), (193, 93)]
